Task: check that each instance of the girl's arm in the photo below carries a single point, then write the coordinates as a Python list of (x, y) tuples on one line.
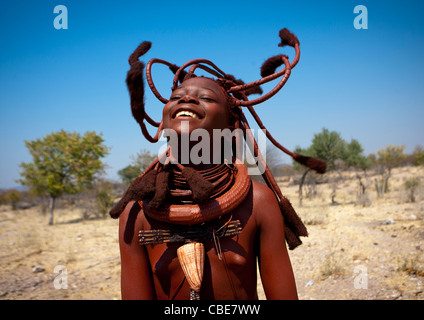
[(136, 275), (274, 262)]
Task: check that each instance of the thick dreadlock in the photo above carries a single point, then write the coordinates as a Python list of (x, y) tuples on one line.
[(153, 182)]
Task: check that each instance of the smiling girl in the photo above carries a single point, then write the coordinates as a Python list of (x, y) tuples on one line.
[(197, 230)]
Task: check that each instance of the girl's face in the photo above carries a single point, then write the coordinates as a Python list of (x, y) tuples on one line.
[(199, 101)]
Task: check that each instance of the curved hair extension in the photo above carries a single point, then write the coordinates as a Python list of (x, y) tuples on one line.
[(238, 92)]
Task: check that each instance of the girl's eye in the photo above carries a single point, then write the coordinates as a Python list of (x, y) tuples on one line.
[(207, 99), (176, 97)]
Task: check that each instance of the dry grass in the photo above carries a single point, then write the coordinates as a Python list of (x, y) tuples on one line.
[(88, 249), (383, 238), (379, 242)]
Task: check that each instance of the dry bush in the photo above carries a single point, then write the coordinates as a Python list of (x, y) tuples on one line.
[(364, 199), (314, 214), (412, 265), (333, 264), (411, 186)]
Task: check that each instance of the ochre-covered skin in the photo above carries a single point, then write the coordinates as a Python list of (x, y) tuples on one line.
[(153, 271)]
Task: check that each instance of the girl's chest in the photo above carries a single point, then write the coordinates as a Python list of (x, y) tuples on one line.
[(236, 250)]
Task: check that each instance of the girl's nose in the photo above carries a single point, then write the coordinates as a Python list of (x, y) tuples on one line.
[(188, 99)]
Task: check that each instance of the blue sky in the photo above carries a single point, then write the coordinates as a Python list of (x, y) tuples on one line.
[(364, 84)]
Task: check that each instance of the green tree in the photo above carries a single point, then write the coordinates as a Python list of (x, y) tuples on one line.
[(418, 156), (104, 197), (12, 197), (328, 146), (63, 163), (411, 185), (354, 156), (331, 147), (139, 163), (388, 158)]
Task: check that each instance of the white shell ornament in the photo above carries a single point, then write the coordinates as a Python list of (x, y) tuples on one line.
[(192, 259)]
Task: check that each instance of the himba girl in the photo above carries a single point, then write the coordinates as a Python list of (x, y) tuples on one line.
[(190, 230)]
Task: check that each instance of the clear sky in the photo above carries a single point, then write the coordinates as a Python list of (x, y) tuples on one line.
[(364, 84)]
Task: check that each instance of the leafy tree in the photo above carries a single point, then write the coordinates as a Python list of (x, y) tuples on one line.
[(12, 197), (104, 197), (139, 163), (372, 160), (391, 156), (63, 163), (418, 156), (411, 185), (331, 147), (328, 146), (354, 156), (388, 158)]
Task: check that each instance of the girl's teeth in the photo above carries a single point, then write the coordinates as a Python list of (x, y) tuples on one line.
[(186, 113)]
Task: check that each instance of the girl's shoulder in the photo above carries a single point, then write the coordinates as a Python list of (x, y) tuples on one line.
[(265, 204)]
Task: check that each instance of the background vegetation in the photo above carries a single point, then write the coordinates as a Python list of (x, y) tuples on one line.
[(68, 166)]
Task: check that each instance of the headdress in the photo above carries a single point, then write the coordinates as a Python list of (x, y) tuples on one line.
[(153, 183)]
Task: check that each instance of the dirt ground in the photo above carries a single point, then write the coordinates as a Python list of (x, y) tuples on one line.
[(354, 251)]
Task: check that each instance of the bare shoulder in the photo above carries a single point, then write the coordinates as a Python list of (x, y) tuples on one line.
[(261, 190), (265, 204), (130, 220)]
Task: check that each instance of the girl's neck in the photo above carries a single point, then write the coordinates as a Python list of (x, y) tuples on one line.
[(199, 159)]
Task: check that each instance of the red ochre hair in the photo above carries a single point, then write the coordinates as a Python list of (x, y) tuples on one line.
[(237, 91)]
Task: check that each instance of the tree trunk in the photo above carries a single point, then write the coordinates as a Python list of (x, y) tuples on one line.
[(385, 184), (302, 181), (412, 195), (362, 186), (385, 180), (383, 188), (333, 196), (51, 210), (377, 187)]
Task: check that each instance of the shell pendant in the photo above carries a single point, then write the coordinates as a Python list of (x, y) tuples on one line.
[(192, 259)]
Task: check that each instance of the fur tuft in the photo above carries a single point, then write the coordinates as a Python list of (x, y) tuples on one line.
[(135, 82), (116, 211), (201, 188), (291, 219), (253, 90), (161, 189), (287, 38), (293, 240), (145, 187), (316, 164), (141, 50), (135, 86), (293, 225), (271, 64), (142, 187), (247, 92)]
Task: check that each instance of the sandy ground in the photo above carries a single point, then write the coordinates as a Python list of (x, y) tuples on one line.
[(352, 252)]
